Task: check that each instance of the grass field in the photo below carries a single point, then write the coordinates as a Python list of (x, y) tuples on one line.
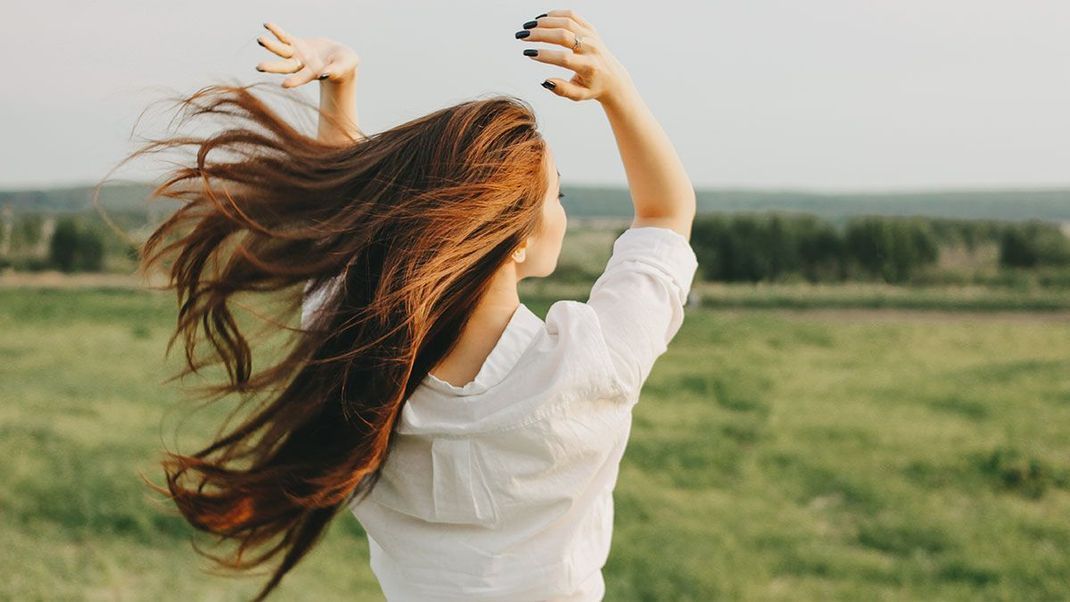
[(833, 455)]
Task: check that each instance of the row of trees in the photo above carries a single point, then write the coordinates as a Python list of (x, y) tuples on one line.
[(772, 246), (747, 247), (69, 243)]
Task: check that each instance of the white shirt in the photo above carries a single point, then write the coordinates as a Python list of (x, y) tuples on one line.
[(502, 489)]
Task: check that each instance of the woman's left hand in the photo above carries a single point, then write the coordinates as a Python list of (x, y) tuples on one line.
[(307, 58)]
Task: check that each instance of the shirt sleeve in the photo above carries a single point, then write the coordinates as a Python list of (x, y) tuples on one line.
[(308, 305), (639, 299), (311, 302)]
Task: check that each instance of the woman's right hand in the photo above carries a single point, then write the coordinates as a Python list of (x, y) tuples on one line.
[(599, 75)]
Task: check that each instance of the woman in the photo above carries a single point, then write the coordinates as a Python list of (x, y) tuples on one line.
[(476, 443)]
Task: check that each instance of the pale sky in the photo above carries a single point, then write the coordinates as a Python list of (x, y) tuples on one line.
[(823, 95)]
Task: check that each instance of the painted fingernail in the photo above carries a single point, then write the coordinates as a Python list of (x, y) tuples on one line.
[(259, 42), (549, 85), (531, 52), (325, 76), (259, 69), (541, 16), (531, 24), (523, 34)]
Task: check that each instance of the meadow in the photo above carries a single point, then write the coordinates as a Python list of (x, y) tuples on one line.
[(775, 455)]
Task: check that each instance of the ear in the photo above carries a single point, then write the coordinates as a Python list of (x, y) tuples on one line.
[(520, 253)]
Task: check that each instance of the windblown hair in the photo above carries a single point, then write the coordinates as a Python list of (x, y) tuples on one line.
[(400, 231)]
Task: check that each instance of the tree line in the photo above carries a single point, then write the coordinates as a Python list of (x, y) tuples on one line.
[(76, 242), (731, 247), (745, 247)]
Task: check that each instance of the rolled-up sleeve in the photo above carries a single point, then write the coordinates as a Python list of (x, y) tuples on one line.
[(639, 299)]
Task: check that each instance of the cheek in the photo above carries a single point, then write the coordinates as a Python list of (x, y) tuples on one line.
[(554, 215), (562, 221)]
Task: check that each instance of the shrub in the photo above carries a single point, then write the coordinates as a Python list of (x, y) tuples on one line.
[(74, 247), (1033, 244)]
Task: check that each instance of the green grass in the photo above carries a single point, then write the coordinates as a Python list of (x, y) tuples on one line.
[(772, 457), (854, 295)]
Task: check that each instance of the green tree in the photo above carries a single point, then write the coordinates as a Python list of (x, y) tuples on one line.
[(76, 247), (1033, 244), (63, 249), (892, 249)]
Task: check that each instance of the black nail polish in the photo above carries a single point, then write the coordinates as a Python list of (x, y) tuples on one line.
[(325, 76), (523, 34), (261, 43), (531, 52), (531, 24), (541, 16), (549, 85), (259, 69)]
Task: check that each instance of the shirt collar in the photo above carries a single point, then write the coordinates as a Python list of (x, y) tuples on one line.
[(514, 340)]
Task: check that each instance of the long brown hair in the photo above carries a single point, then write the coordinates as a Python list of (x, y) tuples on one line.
[(411, 223)]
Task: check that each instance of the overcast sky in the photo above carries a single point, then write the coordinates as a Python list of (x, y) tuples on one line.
[(824, 94)]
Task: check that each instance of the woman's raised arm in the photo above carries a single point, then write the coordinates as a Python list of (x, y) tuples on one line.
[(338, 99), (333, 64), (638, 300), (661, 191)]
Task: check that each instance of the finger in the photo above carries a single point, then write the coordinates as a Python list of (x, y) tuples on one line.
[(283, 50), (558, 23), (290, 65), (561, 58), (279, 33), (571, 14), (558, 36), (300, 78), (567, 89)]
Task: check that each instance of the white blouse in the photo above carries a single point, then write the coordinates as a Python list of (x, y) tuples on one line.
[(502, 489)]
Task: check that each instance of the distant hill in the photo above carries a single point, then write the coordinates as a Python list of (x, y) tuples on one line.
[(1016, 205), (593, 202), (74, 199)]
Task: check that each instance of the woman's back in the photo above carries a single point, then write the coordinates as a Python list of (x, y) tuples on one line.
[(502, 489)]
